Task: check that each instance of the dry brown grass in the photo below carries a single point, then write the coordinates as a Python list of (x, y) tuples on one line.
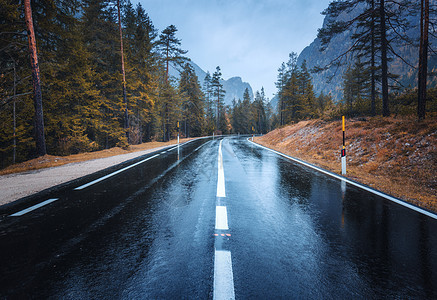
[(396, 156), (48, 161)]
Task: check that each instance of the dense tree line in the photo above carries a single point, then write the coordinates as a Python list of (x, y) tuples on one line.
[(249, 117), (104, 71), (296, 98), (376, 28)]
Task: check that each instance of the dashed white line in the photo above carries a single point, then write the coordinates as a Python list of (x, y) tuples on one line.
[(221, 174), (25, 211), (221, 218), (114, 173), (223, 276), (388, 197)]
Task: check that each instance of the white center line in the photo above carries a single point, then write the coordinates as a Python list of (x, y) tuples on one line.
[(221, 174), (114, 173), (221, 218), (223, 276), (25, 211)]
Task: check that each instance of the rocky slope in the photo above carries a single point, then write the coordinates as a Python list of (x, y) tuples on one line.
[(342, 42)]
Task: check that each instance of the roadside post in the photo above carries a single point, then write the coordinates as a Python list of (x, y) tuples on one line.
[(343, 151), (253, 132), (178, 140), (178, 133)]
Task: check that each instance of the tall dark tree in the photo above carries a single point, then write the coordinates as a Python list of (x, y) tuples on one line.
[(218, 94), (423, 59), (286, 71), (384, 62), (39, 118), (101, 37), (209, 103), (123, 72), (280, 85), (170, 48), (370, 28), (142, 65), (191, 101), (259, 112), (355, 89)]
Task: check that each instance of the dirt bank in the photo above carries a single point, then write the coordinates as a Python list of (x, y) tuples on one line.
[(396, 156)]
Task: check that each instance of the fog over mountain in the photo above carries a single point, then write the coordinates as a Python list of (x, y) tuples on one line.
[(233, 86)]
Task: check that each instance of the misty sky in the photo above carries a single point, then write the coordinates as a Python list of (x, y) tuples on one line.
[(246, 38)]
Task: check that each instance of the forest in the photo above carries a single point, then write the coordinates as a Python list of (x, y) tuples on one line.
[(84, 75), (104, 82), (375, 32)]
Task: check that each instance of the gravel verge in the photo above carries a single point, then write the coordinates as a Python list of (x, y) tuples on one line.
[(19, 185)]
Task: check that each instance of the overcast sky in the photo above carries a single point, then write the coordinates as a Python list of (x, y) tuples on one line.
[(246, 38)]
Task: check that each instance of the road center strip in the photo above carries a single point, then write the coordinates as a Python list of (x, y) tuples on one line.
[(223, 276), (221, 218), (221, 174)]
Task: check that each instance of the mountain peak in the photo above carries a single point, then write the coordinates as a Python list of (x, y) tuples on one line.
[(234, 86)]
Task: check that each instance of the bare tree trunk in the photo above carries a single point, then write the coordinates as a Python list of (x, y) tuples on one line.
[(423, 59), (372, 63), (37, 97), (15, 118), (384, 65), (218, 102), (126, 114)]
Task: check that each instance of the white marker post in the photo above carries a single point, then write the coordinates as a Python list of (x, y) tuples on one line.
[(343, 152), (178, 133)]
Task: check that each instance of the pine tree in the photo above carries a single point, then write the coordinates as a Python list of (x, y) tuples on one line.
[(369, 37), (170, 48), (280, 85), (423, 59), (192, 102), (218, 94), (307, 93), (355, 89), (39, 119), (142, 63), (126, 114), (259, 112), (209, 104), (102, 40)]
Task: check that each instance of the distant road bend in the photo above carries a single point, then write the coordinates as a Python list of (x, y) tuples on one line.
[(216, 218)]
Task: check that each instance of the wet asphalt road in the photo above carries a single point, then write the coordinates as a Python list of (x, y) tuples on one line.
[(169, 228)]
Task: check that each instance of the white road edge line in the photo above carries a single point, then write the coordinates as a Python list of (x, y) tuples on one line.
[(223, 276), (114, 173), (221, 174), (221, 218), (25, 211), (388, 197)]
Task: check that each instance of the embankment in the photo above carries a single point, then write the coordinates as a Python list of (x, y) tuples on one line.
[(396, 156)]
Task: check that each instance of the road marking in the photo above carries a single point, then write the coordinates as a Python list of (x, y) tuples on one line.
[(114, 173), (378, 193), (221, 174), (25, 211), (223, 276), (221, 218)]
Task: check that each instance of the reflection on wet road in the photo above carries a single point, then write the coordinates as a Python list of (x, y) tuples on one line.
[(162, 227)]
